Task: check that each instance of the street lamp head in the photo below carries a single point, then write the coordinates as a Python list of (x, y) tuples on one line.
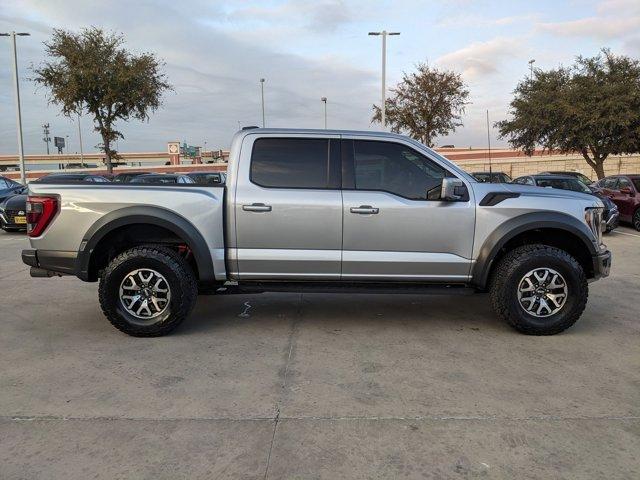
[(23, 34), (532, 61), (323, 99), (375, 33), (393, 33), (262, 80)]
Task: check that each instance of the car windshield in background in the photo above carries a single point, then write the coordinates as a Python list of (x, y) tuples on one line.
[(486, 177), (162, 179), (208, 178), (636, 183), (572, 184)]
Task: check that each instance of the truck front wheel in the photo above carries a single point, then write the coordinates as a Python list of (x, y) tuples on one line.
[(538, 289), (147, 291)]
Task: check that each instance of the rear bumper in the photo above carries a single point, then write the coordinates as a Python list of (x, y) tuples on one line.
[(601, 265), (56, 261)]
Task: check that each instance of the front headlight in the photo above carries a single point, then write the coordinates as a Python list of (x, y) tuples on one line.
[(593, 217)]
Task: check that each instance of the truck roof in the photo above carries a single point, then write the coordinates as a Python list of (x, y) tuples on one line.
[(319, 131)]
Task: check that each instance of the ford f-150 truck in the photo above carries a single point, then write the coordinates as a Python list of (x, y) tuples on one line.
[(322, 211)]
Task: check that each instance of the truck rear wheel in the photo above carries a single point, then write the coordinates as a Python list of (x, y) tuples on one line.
[(147, 291), (538, 289)]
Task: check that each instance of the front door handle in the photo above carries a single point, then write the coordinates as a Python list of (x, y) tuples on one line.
[(256, 207), (364, 210)]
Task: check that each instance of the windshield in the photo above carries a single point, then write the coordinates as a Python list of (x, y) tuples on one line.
[(564, 184)]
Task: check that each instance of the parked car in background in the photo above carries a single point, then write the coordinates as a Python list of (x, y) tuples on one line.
[(624, 191), (128, 176), (162, 178), (583, 178), (492, 177), (10, 187), (72, 178), (13, 213), (208, 178), (610, 215)]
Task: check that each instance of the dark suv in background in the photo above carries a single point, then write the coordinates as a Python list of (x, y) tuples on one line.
[(624, 191)]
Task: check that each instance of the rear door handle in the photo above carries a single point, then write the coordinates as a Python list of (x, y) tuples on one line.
[(364, 210), (256, 207)]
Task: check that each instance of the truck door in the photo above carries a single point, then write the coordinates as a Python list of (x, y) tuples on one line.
[(288, 208), (395, 225)]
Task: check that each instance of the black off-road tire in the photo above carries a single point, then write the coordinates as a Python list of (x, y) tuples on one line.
[(636, 219), (506, 277), (178, 274)]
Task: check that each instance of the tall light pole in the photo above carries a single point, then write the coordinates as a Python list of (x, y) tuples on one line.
[(262, 92), (531, 62), (383, 107), (13, 35), (324, 100), (80, 139), (46, 138)]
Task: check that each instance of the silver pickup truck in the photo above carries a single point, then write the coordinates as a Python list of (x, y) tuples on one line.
[(322, 211)]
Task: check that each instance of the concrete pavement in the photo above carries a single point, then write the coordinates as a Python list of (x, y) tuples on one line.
[(317, 386)]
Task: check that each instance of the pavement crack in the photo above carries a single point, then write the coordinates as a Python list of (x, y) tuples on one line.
[(273, 439), (291, 343)]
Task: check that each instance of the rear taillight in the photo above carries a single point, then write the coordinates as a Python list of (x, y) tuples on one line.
[(40, 212)]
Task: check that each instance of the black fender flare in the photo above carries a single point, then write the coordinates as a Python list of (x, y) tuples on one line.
[(520, 224), (144, 215)]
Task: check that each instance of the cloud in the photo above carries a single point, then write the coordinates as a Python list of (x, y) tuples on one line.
[(215, 76), (460, 21), (595, 27), (480, 59), (320, 16), (615, 19)]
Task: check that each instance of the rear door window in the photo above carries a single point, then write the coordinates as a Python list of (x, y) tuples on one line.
[(290, 163)]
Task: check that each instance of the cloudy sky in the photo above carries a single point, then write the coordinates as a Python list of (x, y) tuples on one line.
[(216, 52)]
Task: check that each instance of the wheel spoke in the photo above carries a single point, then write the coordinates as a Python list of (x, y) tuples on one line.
[(542, 292), (145, 294)]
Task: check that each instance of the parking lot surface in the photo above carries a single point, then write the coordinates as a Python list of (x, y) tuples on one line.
[(317, 386)]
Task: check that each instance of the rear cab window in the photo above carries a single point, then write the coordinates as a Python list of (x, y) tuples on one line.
[(294, 163)]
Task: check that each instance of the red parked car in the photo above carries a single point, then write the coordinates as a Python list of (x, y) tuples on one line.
[(624, 191)]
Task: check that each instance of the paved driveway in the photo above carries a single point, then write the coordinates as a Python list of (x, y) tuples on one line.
[(317, 386)]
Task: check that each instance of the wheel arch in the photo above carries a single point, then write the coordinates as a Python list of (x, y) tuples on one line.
[(554, 229), (157, 217)]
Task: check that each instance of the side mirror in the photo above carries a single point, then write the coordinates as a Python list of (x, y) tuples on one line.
[(453, 189)]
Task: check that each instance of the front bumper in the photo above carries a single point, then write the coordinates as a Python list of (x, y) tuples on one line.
[(55, 261), (601, 265), (9, 221)]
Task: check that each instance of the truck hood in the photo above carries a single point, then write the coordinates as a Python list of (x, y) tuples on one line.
[(528, 190)]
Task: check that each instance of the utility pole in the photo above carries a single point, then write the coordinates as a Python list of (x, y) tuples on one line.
[(489, 143), (46, 138), (383, 107), (324, 100), (262, 91), (13, 35)]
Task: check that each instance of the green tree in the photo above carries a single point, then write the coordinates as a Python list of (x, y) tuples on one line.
[(91, 71), (592, 107), (425, 104)]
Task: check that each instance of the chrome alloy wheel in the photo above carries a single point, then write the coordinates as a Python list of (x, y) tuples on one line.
[(542, 292), (145, 293)]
